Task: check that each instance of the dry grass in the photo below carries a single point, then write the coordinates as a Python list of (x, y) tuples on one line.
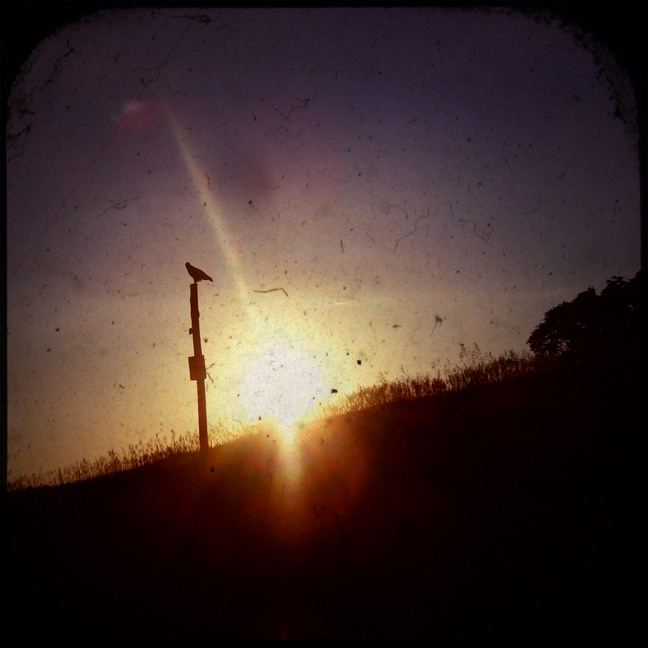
[(474, 368), (136, 455)]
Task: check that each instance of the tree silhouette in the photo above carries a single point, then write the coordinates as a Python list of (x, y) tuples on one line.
[(600, 328)]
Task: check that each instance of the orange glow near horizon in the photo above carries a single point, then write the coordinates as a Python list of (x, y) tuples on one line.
[(313, 478)]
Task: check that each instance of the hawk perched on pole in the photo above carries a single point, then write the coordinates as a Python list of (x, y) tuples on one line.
[(196, 273)]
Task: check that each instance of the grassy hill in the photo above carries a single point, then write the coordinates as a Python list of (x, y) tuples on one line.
[(496, 509)]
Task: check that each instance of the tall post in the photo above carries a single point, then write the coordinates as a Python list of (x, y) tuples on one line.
[(197, 370)]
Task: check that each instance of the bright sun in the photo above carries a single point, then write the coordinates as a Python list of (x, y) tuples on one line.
[(281, 383)]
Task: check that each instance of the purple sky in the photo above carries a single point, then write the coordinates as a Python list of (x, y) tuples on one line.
[(413, 179)]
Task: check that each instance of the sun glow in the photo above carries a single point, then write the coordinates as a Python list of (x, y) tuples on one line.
[(281, 383), (279, 377)]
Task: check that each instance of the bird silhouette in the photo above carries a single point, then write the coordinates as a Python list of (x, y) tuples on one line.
[(196, 273)]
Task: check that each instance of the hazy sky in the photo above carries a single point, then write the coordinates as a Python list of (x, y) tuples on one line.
[(412, 179)]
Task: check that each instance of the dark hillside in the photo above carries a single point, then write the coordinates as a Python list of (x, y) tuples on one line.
[(501, 509)]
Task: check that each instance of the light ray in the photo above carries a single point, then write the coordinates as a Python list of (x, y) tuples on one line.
[(278, 376), (213, 209)]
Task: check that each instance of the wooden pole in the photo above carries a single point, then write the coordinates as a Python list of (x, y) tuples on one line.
[(197, 370)]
